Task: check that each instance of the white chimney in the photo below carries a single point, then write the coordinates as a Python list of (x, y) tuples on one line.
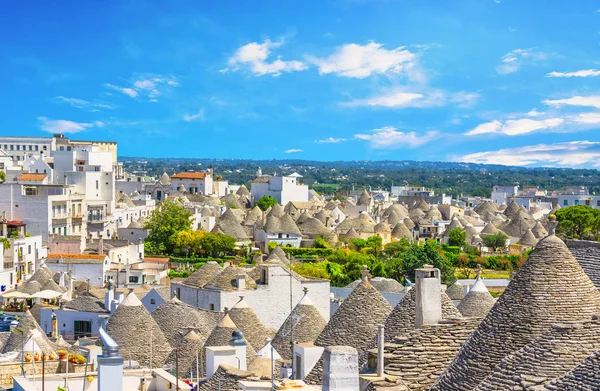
[(380, 350), (110, 365), (428, 296), (240, 281), (340, 369), (109, 296)]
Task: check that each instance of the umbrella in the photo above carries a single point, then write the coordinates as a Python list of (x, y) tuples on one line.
[(16, 295), (47, 294)]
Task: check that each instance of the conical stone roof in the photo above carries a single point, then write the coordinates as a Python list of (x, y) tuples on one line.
[(174, 317), (489, 229), (486, 207), (409, 223), (221, 335), (528, 239), (536, 298), (546, 358), (586, 376), (242, 190), (131, 326), (305, 322), (539, 230), (453, 225), (512, 209), (248, 323), (456, 291), (354, 324), (204, 274), (401, 231), (393, 219), (400, 210), (478, 302), (27, 324)]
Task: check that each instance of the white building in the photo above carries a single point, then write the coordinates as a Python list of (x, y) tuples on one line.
[(82, 266), (565, 200), (283, 188), (46, 209), (194, 182), (501, 194), (270, 298)]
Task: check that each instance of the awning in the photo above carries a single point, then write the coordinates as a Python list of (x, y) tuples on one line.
[(46, 294), (15, 295)]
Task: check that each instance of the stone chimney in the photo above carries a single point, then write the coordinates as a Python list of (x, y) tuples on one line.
[(364, 273), (110, 364), (340, 369), (428, 296), (238, 342), (380, 350), (109, 296)]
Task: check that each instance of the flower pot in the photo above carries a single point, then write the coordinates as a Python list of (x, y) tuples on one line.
[(27, 357), (52, 356), (62, 354), (36, 357)]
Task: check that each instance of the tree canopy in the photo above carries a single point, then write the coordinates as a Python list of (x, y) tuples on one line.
[(457, 237), (578, 222), (495, 241), (164, 223), (265, 202)]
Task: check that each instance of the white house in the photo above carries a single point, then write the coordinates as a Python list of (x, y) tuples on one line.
[(83, 266), (501, 194), (194, 182), (283, 188), (78, 318), (269, 296)]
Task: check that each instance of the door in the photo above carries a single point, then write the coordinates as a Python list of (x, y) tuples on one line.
[(82, 328), (298, 371)]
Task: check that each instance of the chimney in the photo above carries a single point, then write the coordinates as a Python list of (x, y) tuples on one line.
[(100, 245), (109, 296), (61, 280), (240, 281), (380, 350), (340, 369), (428, 297), (238, 342), (110, 364), (65, 177), (364, 273)]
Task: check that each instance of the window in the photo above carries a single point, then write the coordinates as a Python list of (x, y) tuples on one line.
[(598, 203), (152, 301), (576, 202), (31, 147), (212, 307), (37, 148), (82, 328), (97, 185), (566, 202), (45, 147), (12, 147), (133, 279), (18, 147), (61, 149), (29, 249), (588, 202)]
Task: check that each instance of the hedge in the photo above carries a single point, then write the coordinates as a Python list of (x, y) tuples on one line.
[(196, 260), (315, 252)]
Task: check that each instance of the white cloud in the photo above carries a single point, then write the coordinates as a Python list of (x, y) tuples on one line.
[(581, 73), (149, 86), (404, 99), (84, 104), (253, 56), (514, 60), (331, 140), (515, 127), (389, 137), (574, 153), (586, 101), (64, 126), (124, 90), (193, 117), (535, 113), (293, 150), (360, 61), (587, 118)]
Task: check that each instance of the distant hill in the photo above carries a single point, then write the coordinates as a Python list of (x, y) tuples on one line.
[(449, 177)]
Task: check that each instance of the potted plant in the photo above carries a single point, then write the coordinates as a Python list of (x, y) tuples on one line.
[(61, 354)]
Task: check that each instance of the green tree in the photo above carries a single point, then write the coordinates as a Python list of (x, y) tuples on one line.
[(375, 242), (396, 249), (2, 176), (265, 202), (189, 241), (495, 241), (214, 244), (165, 222), (578, 222), (358, 244), (429, 253), (309, 269), (321, 243), (5, 242), (457, 237)]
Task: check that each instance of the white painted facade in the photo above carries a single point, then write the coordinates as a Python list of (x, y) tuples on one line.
[(152, 300), (565, 200), (45, 209), (283, 189), (501, 194), (282, 240), (66, 319), (270, 300)]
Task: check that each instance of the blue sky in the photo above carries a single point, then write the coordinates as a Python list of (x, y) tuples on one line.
[(487, 81)]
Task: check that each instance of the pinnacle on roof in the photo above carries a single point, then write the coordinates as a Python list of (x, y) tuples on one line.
[(164, 179), (244, 317), (512, 209), (307, 324), (221, 335), (276, 211), (528, 307), (453, 225), (478, 302)]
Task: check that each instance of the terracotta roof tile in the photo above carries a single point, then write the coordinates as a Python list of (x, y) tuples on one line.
[(189, 175), (32, 177)]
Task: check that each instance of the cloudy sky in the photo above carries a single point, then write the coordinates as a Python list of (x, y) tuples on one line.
[(487, 81)]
